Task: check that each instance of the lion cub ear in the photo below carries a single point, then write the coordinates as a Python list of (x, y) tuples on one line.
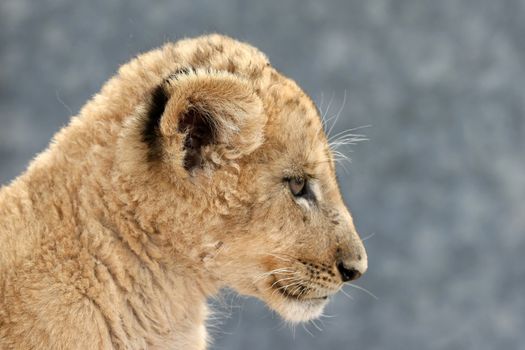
[(199, 119)]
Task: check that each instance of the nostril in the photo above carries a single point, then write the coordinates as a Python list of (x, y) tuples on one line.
[(348, 274)]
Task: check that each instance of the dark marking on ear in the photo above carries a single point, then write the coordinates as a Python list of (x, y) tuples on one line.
[(200, 132), (150, 132)]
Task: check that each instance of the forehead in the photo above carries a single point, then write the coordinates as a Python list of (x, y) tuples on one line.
[(295, 129)]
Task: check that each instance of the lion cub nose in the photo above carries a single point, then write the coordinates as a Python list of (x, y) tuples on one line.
[(348, 271)]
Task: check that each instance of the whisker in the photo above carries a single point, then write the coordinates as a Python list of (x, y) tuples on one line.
[(340, 156), (304, 291), (279, 257), (298, 288), (347, 294), (322, 322), (369, 236), (306, 329), (362, 289), (316, 326), (285, 288), (294, 280), (297, 283), (283, 256), (283, 279), (328, 106), (338, 113), (344, 167), (331, 137), (267, 274), (320, 107), (276, 271), (347, 140)]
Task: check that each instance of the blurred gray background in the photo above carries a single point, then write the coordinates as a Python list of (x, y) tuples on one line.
[(440, 184)]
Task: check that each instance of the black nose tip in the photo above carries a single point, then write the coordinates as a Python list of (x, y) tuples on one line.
[(348, 274)]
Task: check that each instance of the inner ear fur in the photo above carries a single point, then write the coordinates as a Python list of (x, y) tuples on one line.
[(200, 118)]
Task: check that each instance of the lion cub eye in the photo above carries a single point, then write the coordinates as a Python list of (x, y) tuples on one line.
[(297, 186)]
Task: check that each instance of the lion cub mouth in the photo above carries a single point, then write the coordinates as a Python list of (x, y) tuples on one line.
[(298, 292)]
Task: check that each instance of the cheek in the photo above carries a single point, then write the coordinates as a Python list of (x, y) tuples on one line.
[(272, 221)]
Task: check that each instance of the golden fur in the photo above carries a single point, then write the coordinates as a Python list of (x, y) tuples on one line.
[(171, 183)]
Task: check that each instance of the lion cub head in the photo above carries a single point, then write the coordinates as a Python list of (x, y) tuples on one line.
[(236, 158)]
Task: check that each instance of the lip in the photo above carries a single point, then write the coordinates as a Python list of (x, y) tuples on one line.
[(297, 297)]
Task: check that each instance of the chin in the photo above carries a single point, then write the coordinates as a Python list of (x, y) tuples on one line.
[(297, 310), (293, 308)]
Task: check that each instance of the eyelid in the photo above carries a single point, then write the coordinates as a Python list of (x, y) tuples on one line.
[(312, 177), (305, 176)]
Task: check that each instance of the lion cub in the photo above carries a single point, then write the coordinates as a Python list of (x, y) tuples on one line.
[(198, 166)]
